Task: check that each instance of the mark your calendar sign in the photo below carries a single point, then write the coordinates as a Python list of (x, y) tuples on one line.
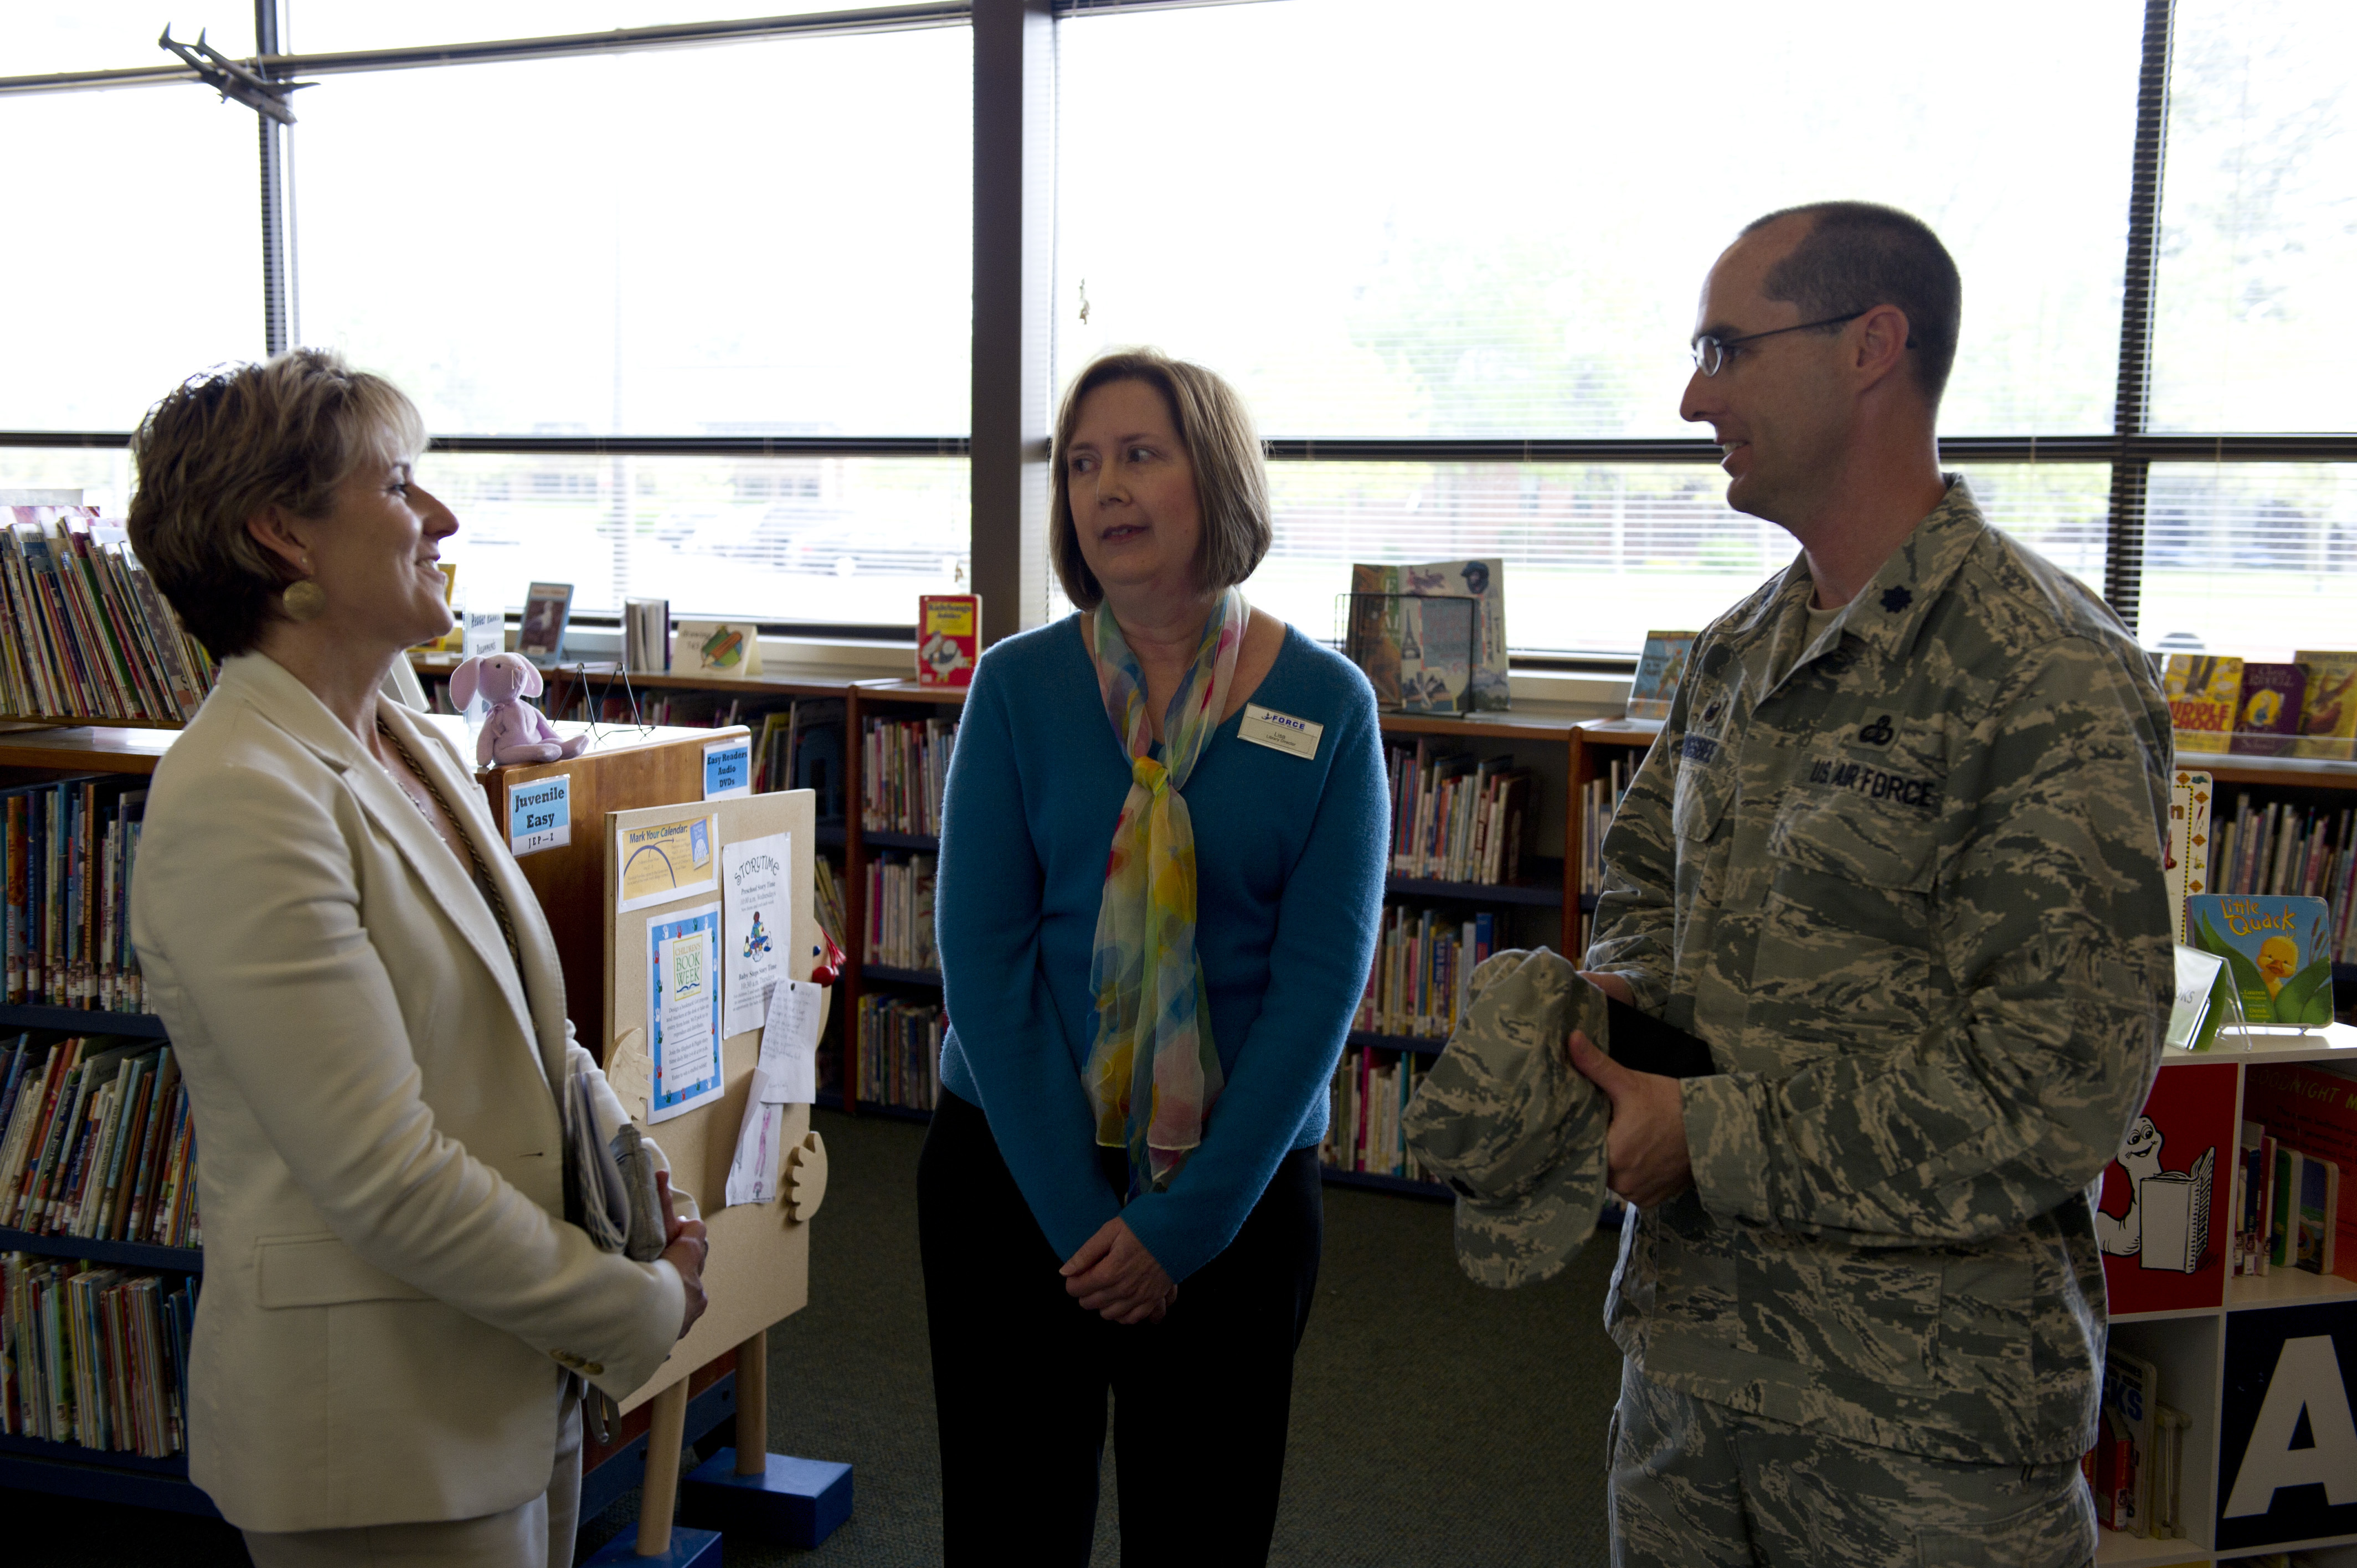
[(539, 814)]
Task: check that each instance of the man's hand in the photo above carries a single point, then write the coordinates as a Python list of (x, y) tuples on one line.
[(685, 1250), (1612, 985), (1645, 1157), (1115, 1277)]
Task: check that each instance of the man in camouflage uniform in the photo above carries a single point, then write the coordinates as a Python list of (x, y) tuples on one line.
[(1897, 858)]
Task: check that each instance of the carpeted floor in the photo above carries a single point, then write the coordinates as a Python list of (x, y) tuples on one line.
[(1434, 1421)]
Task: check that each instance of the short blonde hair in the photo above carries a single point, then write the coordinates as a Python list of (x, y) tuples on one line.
[(1231, 478), (229, 442)]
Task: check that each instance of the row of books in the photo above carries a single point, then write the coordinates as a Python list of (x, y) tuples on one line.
[(1600, 798), (904, 766), (95, 1356), (1423, 963), (1370, 1094), (779, 747), (900, 913), (2135, 1470), (2284, 1205), (98, 1143), (2306, 708), (2290, 850), (66, 854), (1455, 819), (899, 1048), (87, 635), (2290, 1207)]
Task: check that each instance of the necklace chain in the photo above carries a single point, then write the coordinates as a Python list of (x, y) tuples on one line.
[(483, 882)]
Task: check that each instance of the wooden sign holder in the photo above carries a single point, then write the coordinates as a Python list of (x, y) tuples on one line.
[(759, 1268)]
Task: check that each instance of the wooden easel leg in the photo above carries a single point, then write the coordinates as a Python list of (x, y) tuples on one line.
[(665, 1436), (753, 1404)]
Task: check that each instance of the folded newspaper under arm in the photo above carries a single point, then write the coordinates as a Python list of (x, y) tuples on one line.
[(610, 1182)]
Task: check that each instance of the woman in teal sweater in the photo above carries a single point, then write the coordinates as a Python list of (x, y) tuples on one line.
[(1161, 876)]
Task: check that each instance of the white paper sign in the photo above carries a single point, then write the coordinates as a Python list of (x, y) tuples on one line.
[(684, 1007), (753, 1171), (789, 1043), (759, 909)]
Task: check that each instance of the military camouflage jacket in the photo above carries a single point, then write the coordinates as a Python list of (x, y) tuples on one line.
[(1910, 894)]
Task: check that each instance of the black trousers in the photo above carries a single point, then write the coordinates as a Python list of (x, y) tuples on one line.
[(1020, 1372)]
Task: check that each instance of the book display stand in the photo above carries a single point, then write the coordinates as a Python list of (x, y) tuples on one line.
[(757, 1272), (623, 770)]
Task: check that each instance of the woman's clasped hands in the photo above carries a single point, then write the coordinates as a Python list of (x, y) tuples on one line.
[(1115, 1277)]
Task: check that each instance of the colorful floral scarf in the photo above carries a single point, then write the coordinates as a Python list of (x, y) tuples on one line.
[(1153, 1072)]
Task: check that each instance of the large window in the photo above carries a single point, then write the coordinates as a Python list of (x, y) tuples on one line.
[(697, 321)]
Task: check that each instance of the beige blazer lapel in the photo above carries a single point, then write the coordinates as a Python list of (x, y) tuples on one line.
[(541, 1011), (285, 701)]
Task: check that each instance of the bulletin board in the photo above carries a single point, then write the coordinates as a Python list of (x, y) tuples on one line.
[(759, 1270)]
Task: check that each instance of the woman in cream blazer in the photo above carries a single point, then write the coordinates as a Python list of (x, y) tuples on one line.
[(370, 1016)]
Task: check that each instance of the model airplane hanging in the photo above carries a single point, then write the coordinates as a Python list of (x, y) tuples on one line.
[(233, 78)]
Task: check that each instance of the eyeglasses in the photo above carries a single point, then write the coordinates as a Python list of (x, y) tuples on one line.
[(1711, 354)]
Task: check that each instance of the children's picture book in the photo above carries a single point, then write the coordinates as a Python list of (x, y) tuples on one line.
[(729, 650), (2204, 695), (2186, 865), (547, 608), (1659, 670), (2328, 713), (949, 639), (2268, 718), (2277, 951), (2132, 1402), (2191, 1023), (646, 636), (1485, 582), (1416, 650), (2163, 1216)]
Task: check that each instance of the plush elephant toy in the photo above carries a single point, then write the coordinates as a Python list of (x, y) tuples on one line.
[(515, 731)]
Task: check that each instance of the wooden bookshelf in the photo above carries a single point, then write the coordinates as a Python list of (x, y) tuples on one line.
[(622, 769)]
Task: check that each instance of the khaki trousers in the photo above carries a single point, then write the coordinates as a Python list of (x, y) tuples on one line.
[(535, 1534)]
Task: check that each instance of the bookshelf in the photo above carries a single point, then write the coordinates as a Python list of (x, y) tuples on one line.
[(2216, 1339), (623, 769)]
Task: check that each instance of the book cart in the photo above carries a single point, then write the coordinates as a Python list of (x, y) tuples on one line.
[(623, 771)]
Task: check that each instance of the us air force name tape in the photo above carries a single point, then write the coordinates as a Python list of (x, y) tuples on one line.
[(1514, 1129)]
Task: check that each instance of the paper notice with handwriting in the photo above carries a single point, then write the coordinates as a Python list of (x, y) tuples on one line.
[(753, 1171), (789, 1043)]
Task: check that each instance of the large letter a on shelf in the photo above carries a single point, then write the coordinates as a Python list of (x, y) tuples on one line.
[(2307, 1377)]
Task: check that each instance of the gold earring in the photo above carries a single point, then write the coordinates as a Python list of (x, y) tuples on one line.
[(305, 599)]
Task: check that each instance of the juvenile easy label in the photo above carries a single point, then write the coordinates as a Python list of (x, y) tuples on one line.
[(1280, 731), (539, 814)]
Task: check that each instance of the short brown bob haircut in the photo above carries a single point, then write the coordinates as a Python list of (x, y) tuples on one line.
[(234, 441), (1231, 480)]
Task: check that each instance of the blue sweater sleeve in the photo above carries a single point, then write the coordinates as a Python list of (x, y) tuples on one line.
[(986, 919), (1326, 931)]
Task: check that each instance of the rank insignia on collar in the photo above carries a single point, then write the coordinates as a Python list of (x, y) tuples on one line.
[(1896, 599)]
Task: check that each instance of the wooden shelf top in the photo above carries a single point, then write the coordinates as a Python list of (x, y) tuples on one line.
[(89, 748), (107, 749), (897, 691), (2315, 772), (1486, 727)]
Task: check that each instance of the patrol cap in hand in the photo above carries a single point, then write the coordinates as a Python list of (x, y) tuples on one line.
[(1506, 1120)]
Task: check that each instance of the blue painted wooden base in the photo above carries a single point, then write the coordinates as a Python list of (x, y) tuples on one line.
[(689, 1549), (797, 1502)]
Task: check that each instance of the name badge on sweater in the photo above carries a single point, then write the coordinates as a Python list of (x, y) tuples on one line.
[(1279, 731)]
